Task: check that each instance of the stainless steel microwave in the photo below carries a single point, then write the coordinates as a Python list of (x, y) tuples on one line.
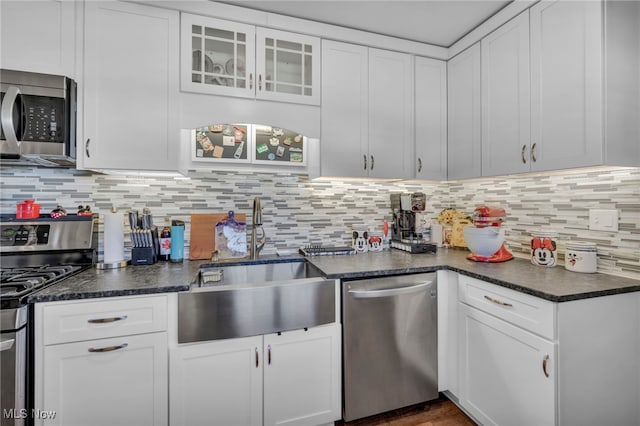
[(38, 113)]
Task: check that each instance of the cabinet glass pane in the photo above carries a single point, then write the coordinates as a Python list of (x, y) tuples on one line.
[(218, 33), (269, 73), (307, 70), (289, 67), (221, 141), (287, 88), (240, 63), (196, 29), (283, 44)]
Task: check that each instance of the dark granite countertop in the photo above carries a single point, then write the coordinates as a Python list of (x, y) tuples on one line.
[(554, 284)]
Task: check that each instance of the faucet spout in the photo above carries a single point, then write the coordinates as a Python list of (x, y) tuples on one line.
[(256, 246)]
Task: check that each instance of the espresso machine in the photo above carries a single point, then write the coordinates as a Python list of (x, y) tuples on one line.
[(407, 235)]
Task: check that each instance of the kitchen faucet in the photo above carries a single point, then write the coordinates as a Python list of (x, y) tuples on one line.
[(255, 248)]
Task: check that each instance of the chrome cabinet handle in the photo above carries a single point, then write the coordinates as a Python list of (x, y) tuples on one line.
[(269, 355), (419, 164), (257, 358), (107, 320), (365, 162), (109, 348), (496, 301), (259, 81), (250, 81), (86, 147), (372, 162), (533, 152), (6, 112), (369, 294), (545, 360), (524, 159)]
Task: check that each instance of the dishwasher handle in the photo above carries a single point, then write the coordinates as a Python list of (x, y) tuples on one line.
[(389, 292)]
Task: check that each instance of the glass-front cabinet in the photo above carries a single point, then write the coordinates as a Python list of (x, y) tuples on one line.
[(289, 70), (220, 57)]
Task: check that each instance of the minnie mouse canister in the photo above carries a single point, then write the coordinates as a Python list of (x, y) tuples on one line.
[(544, 248)]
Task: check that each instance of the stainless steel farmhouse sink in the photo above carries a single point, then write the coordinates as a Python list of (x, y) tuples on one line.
[(237, 300)]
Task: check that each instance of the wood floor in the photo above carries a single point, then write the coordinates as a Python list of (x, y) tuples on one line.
[(440, 412)]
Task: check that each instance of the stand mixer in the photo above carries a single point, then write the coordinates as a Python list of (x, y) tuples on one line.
[(485, 238)]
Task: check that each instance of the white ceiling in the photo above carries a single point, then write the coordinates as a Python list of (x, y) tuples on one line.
[(437, 22)]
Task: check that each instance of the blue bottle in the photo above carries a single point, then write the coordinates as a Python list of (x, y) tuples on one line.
[(177, 241)]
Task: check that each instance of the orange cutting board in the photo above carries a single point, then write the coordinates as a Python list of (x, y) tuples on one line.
[(202, 240)]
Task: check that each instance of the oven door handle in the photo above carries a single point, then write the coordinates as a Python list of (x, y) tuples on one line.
[(6, 113), (389, 292), (5, 345)]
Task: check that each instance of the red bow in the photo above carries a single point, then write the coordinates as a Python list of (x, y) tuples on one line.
[(547, 243)]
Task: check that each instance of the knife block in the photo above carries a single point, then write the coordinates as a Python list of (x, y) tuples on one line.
[(143, 256)]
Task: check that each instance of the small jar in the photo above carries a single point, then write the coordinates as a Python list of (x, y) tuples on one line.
[(544, 248), (581, 256), (375, 241)]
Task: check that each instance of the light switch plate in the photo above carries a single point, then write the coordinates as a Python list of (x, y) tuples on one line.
[(603, 220)]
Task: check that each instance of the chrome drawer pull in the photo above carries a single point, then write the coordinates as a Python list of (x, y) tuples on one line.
[(533, 152), (496, 301), (109, 348), (269, 355), (257, 358), (545, 360), (106, 320), (419, 164), (524, 160), (365, 162), (389, 292)]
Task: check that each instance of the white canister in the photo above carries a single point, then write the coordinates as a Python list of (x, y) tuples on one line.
[(581, 256), (544, 248)]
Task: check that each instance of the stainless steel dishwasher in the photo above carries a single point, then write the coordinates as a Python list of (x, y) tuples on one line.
[(390, 353)]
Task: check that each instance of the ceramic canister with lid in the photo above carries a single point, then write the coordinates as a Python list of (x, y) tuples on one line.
[(581, 256), (544, 248)]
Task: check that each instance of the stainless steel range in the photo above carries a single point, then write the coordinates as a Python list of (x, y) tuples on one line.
[(34, 254)]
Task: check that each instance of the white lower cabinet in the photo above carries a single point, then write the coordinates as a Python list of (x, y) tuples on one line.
[(277, 379), (111, 377), (506, 372), (523, 360)]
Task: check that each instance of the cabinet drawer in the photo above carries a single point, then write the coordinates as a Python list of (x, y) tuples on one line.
[(526, 311), (65, 322)]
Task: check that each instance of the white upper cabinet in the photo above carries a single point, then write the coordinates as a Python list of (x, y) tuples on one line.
[(463, 151), (367, 112), (220, 56), (344, 111), (506, 99), (228, 58), (131, 87), (38, 36), (390, 115), (566, 85), (430, 119)]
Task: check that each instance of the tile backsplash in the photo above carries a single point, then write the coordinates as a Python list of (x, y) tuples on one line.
[(298, 211)]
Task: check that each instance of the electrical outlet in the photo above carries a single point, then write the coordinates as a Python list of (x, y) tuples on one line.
[(603, 220)]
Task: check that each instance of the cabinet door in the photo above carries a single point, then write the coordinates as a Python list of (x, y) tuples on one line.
[(566, 84), (302, 376), (507, 375), (344, 110), (217, 383), (430, 119), (38, 36), (131, 87), (217, 56), (463, 151), (287, 67), (390, 114), (118, 381), (506, 98)]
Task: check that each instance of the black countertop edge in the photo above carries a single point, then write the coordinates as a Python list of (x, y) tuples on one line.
[(36, 298)]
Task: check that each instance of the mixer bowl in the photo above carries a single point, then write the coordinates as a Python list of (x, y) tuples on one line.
[(483, 241)]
